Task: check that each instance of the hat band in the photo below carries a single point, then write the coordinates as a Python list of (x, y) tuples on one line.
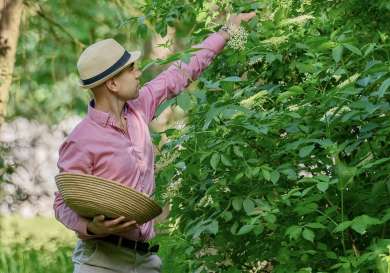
[(122, 60)]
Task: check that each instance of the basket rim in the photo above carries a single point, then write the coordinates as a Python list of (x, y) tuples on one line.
[(78, 190), (64, 178)]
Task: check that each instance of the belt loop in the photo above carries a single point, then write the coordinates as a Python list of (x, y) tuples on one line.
[(120, 241), (135, 245)]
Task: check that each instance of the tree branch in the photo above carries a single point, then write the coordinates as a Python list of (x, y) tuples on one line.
[(41, 13)]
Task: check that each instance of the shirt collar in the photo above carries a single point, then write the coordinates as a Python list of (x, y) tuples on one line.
[(103, 118)]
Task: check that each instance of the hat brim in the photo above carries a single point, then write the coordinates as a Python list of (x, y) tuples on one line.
[(135, 55)]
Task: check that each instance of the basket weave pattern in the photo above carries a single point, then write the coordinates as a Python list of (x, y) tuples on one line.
[(90, 195)]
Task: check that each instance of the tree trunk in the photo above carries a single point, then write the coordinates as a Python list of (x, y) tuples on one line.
[(10, 12)]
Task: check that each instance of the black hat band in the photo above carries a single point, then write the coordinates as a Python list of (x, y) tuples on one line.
[(122, 61)]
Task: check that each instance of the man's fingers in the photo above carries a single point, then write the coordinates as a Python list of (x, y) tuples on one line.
[(248, 16), (98, 218), (128, 224), (116, 221)]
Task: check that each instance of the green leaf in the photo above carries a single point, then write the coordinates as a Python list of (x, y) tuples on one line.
[(305, 151), (370, 49), (293, 232), (248, 205), (225, 161), (308, 234), (345, 173), (238, 152), (227, 216), (233, 228), (342, 226), (211, 114), (270, 218), (322, 186), (237, 203), (186, 58), (362, 222), (375, 163), (245, 229), (359, 227), (337, 53), (231, 79), (303, 209), (161, 28), (383, 88), (270, 58), (353, 49), (266, 174), (315, 225), (258, 229), (275, 175), (214, 160), (164, 106), (296, 89), (184, 101), (213, 227)]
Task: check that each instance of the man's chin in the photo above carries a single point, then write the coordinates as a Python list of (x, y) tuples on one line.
[(134, 96)]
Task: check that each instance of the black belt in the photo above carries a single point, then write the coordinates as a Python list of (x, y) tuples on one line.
[(136, 245)]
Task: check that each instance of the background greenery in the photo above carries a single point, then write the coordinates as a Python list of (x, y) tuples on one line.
[(42, 244)]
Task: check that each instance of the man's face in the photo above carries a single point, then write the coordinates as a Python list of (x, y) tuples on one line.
[(128, 82)]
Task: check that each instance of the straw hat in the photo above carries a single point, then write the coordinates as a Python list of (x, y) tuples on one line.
[(90, 195), (102, 60)]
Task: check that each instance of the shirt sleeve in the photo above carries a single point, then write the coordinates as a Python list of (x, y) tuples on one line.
[(72, 158), (172, 81)]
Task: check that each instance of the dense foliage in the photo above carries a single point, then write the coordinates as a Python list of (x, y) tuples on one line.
[(52, 35), (285, 157)]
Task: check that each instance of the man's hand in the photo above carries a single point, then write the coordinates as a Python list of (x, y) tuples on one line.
[(235, 21), (99, 226)]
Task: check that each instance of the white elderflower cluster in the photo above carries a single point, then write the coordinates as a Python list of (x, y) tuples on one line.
[(293, 107), (165, 160), (255, 100), (206, 201), (254, 60), (303, 5), (299, 20), (259, 267), (238, 38), (172, 189), (173, 226), (275, 41), (331, 112), (226, 189), (285, 4), (348, 81)]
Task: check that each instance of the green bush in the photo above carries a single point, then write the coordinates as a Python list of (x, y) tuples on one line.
[(285, 157)]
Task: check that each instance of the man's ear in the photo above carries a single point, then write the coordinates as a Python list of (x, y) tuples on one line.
[(112, 84)]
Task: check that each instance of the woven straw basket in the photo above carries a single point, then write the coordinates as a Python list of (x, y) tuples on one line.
[(90, 195)]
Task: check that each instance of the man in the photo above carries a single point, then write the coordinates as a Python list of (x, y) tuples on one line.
[(113, 142)]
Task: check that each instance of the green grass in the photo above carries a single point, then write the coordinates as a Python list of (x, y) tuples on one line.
[(42, 244)]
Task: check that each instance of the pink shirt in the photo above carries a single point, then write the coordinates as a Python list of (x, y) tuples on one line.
[(99, 147)]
